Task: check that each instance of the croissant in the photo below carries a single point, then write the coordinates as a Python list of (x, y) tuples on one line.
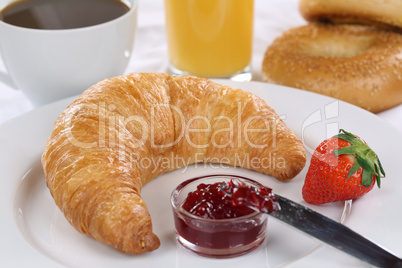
[(92, 160)]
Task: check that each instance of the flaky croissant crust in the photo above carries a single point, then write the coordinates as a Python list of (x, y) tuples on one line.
[(92, 160)]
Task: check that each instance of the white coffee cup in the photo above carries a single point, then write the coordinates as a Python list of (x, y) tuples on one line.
[(48, 65)]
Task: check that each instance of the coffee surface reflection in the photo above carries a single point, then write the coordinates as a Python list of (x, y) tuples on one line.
[(62, 14)]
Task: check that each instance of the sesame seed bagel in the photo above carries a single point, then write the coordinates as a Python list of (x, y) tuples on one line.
[(358, 64), (384, 13)]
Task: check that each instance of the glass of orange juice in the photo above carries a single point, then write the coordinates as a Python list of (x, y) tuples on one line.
[(210, 38)]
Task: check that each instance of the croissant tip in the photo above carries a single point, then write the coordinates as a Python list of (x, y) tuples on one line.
[(293, 171), (150, 242)]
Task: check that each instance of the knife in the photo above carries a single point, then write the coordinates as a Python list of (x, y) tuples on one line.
[(333, 233)]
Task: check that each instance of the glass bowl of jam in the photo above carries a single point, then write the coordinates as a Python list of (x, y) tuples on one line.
[(211, 223)]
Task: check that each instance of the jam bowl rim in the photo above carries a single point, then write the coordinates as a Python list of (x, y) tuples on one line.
[(184, 213)]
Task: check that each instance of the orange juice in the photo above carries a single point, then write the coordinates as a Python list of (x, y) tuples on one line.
[(210, 38)]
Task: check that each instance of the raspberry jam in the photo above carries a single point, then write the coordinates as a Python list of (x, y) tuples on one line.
[(209, 202), (220, 224), (234, 199), (259, 198)]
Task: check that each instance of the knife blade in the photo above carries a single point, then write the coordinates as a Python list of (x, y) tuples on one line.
[(334, 233)]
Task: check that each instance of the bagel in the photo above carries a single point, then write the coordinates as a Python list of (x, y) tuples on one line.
[(383, 13), (91, 160), (358, 64)]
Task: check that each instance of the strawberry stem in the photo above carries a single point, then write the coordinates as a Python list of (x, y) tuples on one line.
[(365, 158)]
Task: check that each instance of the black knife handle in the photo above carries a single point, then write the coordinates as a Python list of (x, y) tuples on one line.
[(334, 234)]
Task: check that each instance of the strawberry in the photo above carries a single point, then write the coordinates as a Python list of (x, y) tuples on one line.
[(342, 168)]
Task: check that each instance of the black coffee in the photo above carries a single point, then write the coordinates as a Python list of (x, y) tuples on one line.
[(62, 14)]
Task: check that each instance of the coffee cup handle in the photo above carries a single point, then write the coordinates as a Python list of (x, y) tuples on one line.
[(6, 79)]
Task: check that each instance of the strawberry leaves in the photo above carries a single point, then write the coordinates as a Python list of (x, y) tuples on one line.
[(365, 158)]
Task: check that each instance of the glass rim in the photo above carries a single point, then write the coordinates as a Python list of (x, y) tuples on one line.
[(187, 214)]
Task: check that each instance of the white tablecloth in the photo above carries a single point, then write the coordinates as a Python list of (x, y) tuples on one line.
[(272, 17)]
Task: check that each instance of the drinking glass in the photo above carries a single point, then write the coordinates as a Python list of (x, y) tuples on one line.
[(210, 38)]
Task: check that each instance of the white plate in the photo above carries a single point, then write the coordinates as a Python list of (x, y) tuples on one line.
[(34, 233)]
